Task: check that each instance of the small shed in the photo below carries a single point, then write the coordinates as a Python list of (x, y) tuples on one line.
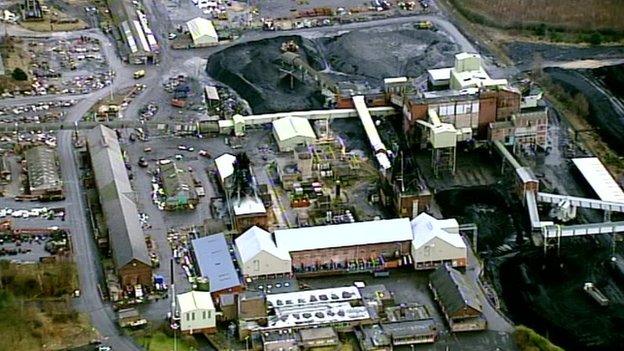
[(197, 312)]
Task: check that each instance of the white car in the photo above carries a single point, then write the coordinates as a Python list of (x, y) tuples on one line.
[(172, 36)]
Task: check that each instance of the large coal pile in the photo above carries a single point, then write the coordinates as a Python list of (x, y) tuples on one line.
[(357, 58), (388, 52), (253, 70), (546, 293), (484, 207)]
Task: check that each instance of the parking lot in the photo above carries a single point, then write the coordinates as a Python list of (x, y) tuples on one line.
[(73, 66), (40, 112), (27, 230)]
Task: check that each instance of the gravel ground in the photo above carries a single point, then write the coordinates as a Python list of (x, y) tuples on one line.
[(282, 8)]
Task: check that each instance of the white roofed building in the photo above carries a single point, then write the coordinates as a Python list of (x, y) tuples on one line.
[(369, 245), (599, 178), (290, 132), (225, 167), (197, 312), (437, 242), (259, 256), (202, 32)]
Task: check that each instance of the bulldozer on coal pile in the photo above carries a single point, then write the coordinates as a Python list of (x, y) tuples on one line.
[(289, 46)]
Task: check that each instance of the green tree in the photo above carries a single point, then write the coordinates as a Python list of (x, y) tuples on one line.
[(595, 38), (19, 74)]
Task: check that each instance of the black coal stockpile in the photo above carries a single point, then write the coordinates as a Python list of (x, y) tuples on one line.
[(253, 70)]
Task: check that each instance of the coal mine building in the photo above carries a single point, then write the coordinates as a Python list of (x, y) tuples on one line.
[(457, 299), (44, 179), (117, 200), (179, 187), (216, 264), (352, 246)]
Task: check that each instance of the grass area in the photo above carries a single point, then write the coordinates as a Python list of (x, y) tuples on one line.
[(529, 340), (14, 56), (36, 312), (578, 21), (159, 341), (39, 280)]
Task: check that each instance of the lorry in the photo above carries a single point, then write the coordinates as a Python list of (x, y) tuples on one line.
[(139, 74)]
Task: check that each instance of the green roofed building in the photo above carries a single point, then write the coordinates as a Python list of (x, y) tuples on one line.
[(178, 187), (44, 180)]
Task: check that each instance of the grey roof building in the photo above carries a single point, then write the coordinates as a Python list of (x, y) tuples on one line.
[(43, 171), (458, 299), (127, 240), (212, 254)]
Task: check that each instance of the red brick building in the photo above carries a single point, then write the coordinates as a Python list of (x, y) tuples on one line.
[(338, 246), (473, 108)]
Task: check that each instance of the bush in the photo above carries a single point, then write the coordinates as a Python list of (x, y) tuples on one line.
[(528, 339), (19, 74), (595, 38)]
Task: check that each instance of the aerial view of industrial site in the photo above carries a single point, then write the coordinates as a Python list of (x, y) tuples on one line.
[(311, 175)]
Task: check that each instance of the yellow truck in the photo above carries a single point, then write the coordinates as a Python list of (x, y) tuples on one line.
[(139, 74)]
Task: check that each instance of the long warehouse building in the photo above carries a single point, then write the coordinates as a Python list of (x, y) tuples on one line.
[(139, 44), (127, 241)]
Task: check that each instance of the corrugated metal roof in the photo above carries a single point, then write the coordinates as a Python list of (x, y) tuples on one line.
[(290, 127), (200, 27), (115, 193), (440, 73), (211, 92), (247, 205), (43, 171), (341, 235), (255, 240), (599, 179), (215, 262)]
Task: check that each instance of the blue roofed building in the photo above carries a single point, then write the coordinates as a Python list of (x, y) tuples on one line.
[(213, 258)]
